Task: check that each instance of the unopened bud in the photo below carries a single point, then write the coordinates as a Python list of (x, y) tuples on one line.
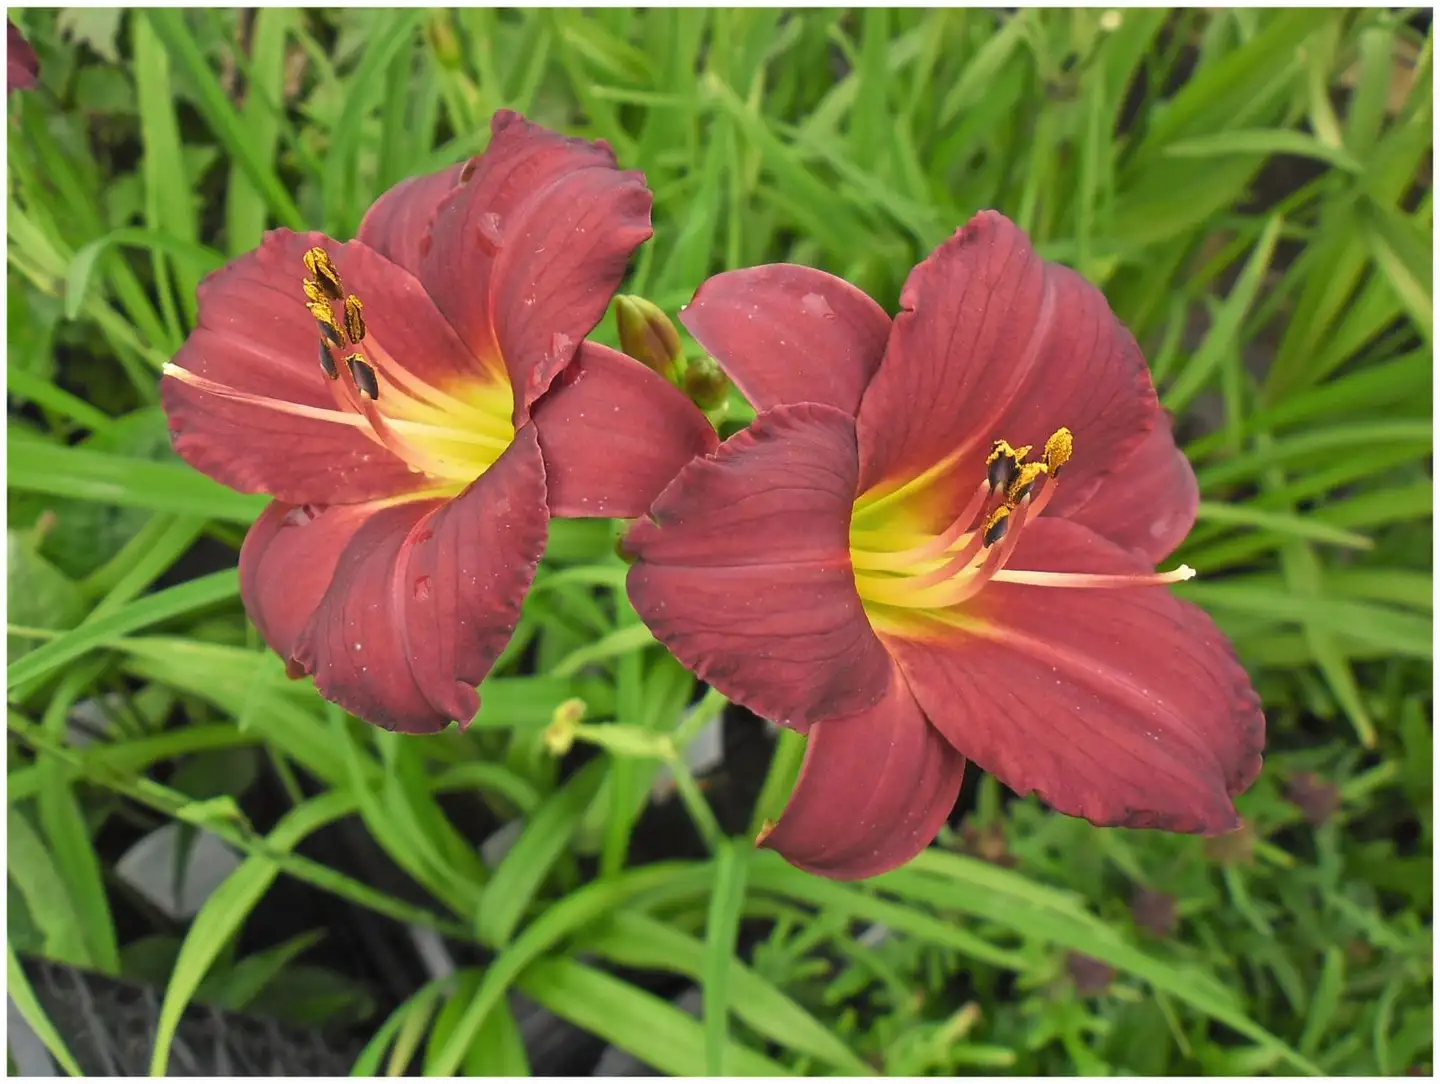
[(443, 41), (647, 334), (705, 383), (564, 726)]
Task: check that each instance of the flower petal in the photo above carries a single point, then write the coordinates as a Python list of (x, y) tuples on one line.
[(255, 336), (614, 434), (285, 570), (397, 222), (22, 67), (423, 598), (745, 572), (790, 334), (1147, 505), (874, 789), (1123, 706), (994, 343), (524, 256)]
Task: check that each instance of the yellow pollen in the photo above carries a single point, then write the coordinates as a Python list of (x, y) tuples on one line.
[(314, 292), (1024, 481), (1058, 449), (354, 322), (1002, 447), (996, 524), (321, 311), (319, 264)]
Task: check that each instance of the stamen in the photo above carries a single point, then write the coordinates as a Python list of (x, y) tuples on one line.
[(314, 292), (329, 334), (327, 362), (319, 264), (354, 322), (364, 376), (1088, 579)]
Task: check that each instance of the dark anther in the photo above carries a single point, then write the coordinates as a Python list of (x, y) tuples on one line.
[(996, 526), (329, 334), (328, 363), (1002, 471), (364, 376)]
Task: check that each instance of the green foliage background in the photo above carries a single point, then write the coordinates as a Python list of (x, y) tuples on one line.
[(1252, 189)]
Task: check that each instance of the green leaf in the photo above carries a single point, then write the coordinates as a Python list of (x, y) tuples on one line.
[(22, 994), (653, 1030), (33, 871), (633, 939), (187, 598), (225, 911), (1264, 143), (722, 925), (519, 876)]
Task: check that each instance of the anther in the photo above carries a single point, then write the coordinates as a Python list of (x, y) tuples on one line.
[(1058, 450), (364, 376), (329, 333), (326, 317), (327, 362), (315, 292), (319, 264), (996, 525), (1024, 482), (1003, 464), (354, 322)]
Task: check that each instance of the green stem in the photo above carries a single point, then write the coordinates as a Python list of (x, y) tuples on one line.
[(784, 767)]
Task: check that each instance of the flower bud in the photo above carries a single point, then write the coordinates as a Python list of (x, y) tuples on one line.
[(564, 726), (647, 334), (443, 41), (705, 383)]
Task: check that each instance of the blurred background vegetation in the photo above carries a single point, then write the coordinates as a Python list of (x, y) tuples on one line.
[(1252, 189)]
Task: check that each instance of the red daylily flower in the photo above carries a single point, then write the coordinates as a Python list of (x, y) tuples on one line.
[(420, 401), (872, 563), (22, 66)]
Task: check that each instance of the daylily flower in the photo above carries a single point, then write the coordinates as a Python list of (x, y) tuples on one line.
[(22, 66), (937, 541), (420, 401)]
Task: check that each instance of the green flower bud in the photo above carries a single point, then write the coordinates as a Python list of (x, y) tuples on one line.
[(647, 334)]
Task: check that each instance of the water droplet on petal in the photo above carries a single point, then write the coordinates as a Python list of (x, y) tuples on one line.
[(561, 347), (491, 232), (816, 305), (422, 589)]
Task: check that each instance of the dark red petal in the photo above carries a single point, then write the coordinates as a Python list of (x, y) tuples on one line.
[(1147, 505), (873, 791), (745, 572), (286, 565), (789, 334), (22, 66), (402, 320), (614, 434), (1123, 706), (397, 222), (994, 343), (255, 335), (426, 595), (524, 256)]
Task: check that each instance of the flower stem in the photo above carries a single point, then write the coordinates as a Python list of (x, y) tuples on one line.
[(699, 809), (780, 780)]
